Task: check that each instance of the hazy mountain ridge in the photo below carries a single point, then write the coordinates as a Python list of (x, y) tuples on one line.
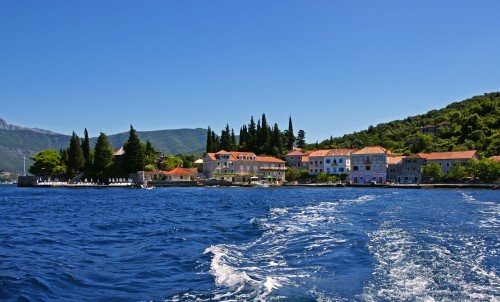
[(17, 142)]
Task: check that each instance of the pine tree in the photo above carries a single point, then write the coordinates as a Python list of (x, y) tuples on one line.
[(133, 159), (87, 155), (76, 160), (301, 139), (290, 139), (103, 153)]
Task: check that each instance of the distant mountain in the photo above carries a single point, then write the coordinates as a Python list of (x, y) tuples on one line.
[(17, 142)]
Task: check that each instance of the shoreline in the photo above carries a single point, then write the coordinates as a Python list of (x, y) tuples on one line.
[(194, 184)]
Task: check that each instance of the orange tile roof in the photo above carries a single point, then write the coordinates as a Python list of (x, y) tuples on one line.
[(391, 160), (373, 150), (316, 153), (177, 171), (451, 155), (497, 157), (305, 159), (339, 152), (211, 155), (417, 155), (269, 159), (295, 153)]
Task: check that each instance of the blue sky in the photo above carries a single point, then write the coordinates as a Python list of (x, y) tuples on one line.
[(335, 67)]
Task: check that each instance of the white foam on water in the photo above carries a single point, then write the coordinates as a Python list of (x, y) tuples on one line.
[(254, 270), (444, 267)]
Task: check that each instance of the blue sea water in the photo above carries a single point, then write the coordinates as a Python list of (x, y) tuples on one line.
[(239, 244)]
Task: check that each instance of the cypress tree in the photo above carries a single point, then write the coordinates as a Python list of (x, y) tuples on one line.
[(252, 136), (209, 147), (233, 141), (290, 137), (133, 159), (103, 153), (225, 139), (278, 141), (76, 160), (87, 156), (215, 142)]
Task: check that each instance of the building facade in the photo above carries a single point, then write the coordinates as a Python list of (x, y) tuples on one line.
[(332, 161), (370, 165), (240, 167), (298, 159), (409, 169)]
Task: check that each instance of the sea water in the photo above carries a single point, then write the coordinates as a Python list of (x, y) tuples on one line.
[(249, 244)]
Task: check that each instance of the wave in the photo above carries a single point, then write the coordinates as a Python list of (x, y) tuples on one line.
[(430, 266)]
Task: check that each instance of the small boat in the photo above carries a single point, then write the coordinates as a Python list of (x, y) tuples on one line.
[(147, 187)]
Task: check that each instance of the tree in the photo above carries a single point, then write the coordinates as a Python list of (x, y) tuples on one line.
[(292, 174), (133, 159), (87, 155), (432, 172), (290, 138), (252, 136), (103, 154), (301, 139), (170, 162), (322, 177), (209, 148), (457, 172), (47, 163), (225, 139), (276, 144), (76, 161)]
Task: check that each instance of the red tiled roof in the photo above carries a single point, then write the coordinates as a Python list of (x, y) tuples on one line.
[(497, 157), (269, 159), (295, 153), (373, 150), (339, 152), (316, 153), (451, 155), (391, 160), (305, 159), (177, 171), (417, 155)]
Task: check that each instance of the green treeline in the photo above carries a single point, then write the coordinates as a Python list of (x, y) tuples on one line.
[(99, 163), (472, 124), (259, 138)]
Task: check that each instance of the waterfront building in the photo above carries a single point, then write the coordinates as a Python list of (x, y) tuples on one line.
[(331, 161), (178, 174), (298, 159), (240, 167), (370, 165), (409, 169)]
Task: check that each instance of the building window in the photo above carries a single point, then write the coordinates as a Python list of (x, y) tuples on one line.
[(368, 168), (328, 161), (355, 168)]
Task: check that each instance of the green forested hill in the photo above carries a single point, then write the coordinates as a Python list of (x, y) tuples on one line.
[(473, 124), (17, 142)]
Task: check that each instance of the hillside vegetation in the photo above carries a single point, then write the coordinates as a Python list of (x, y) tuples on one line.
[(473, 124), (17, 142)]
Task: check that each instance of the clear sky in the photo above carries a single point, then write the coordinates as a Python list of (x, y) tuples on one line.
[(335, 67)]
